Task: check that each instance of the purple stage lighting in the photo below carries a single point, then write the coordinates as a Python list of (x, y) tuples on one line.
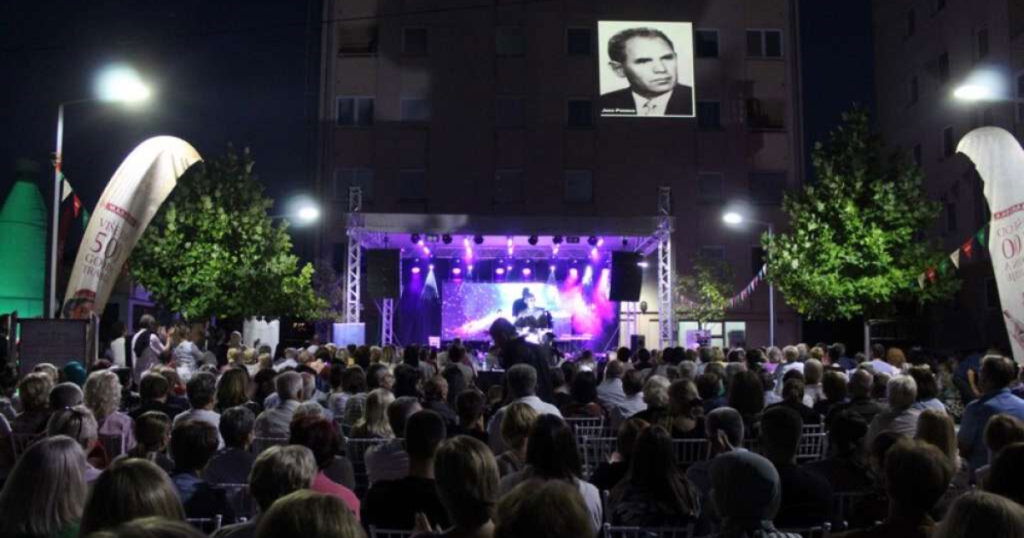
[(431, 267), (594, 253), (600, 242), (552, 268), (469, 268), (416, 270), (457, 271), (527, 271), (499, 271), (574, 273)]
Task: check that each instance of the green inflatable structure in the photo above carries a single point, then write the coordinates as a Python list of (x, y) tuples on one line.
[(23, 249)]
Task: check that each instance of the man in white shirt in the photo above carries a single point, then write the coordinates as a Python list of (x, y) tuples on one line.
[(146, 346), (632, 400), (202, 392), (609, 391), (521, 380)]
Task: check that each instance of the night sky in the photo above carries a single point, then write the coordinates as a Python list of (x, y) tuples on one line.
[(247, 72)]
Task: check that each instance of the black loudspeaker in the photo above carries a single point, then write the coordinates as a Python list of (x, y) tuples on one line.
[(382, 273), (627, 276), (637, 342)]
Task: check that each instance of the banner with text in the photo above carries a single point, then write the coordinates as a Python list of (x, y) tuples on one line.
[(133, 196)]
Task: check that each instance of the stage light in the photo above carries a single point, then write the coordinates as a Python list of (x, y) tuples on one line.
[(457, 271), (426, 251), (433, 238), (572, 239), (574, 273), (532, 240), (555, 249), (557, 240), (592, 241), (469, 268), (478, 239), (499, 271), (416, 270), (527, 271), (600, 241), (594, 253), (446, 239), (415, 238), (465, 242), (431, 267), (645, 265), (508, 267), (552, 268)]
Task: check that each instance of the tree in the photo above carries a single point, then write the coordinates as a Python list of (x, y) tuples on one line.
[(212, 250), (703, 294), (856, 245)]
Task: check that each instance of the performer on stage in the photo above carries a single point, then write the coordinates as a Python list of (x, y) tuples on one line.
[(526, 302)]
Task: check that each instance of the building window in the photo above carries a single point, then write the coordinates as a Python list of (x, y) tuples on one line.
[(709, 187), (509, 112), (764, 43), (509, 41), (509, 187), (944, 67), (709, 115), (580, 113), (982, 43), (911, 23), (914, 90), (767, 187), (948, 147), (578, 41), (714, 253), (352, 177), (951, 217), (415, 41), (766, 114), (579, 187), (415, 109), (706, 43), (412, 185), (917, 155), (357, 39), (354, 111)]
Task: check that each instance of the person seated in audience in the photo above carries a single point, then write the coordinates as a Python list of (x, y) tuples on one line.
[(996, 375), (746, 493), (79, 424), (543, 509), (202, 390), (793, 399), (130, 399), (467, 484), (461, 360), (552, 454), (373, 424), (806, 496), (583, 393), (813, 391), (927, 388), (610, 392), (860, 402), (346, 384), (709, 387), (318, 435), (435, 398), (456, 379), (233, 390), (103, 398), (632, 401), (308, 513), (982, 514), (278, 471), (609, 473), (846, 467), (521, 381), (724, 430), (1001, 431), (656, 399), (65, 395), (130, 489), (654, 493), (559, 384), (34, 392), (470, 406), (152, 434), (393, 503), (154, 390), (515, 429), (936, 428), (768, 387), (193, 443), (917, 474), (901, 417), (685, 419), (231, 464), (408, 380), (150, 527), (833, 385), (1006, 476), (274, 422), (44, 495), (390, 461), (746, 396)]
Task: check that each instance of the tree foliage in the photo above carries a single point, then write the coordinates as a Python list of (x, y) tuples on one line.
[(212, 250), (703, 294), (856, 245)]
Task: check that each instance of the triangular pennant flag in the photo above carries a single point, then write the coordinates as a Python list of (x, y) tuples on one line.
[(930, 273), (955, 258), (920, 280), (943, 267), (968, 248), (980, 236)]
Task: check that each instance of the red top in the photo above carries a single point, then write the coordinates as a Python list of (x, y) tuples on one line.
[(322, 484)]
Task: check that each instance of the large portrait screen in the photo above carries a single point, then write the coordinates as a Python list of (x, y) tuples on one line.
[(646, 69)]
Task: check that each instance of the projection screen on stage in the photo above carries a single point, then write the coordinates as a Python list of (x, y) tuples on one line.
[(646, 69)]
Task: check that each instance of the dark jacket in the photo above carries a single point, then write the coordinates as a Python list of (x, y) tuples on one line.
[(620, 103)]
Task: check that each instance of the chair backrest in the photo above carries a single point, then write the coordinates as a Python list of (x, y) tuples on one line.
[(240, 499), (811, 447), (822, 531), (355, 450), (843, 504), (259, 444), (688, 451), (206, 524), (648, 532), (21, 441), (113, 444), (814, 428), (596, 450), (585, 427), (388, 533)]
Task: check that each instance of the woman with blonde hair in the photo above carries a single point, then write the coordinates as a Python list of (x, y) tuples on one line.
[(515, 429), (103, 398), (979, 513), (130, 489), (936, 428), (307, 513), (467, 483), (44, 494), (374, 423), (542, 509), (34, 393)]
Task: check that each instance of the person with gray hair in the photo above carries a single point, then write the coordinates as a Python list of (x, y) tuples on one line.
[(656, 398), (231, 464), (521, 381), (202, 396), (901, 417), (724, 429), (791, 357), (79, 424), (688, 370), (609, 391), (860, 402), (276, 421)]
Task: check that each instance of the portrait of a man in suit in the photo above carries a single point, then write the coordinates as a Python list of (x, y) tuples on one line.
[(648, 60)]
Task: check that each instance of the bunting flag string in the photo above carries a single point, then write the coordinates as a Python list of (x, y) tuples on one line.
[(965, 251), (743, 295)]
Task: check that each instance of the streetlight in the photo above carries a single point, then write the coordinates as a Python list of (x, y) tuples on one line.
[(733, 218), (302, 210), (984, 84), (116, 84)]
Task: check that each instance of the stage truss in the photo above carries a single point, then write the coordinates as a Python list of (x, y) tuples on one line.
[(644, 235)]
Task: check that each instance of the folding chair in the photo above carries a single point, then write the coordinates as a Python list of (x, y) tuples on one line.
[(586, 427), (596, 450), (388, 533), (207, 525), (355, 450), (811, 447), (259, 444), (240, 499), (690, 451), (648, 532)]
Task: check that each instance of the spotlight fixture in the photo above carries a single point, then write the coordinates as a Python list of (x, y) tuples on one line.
[(433, 238), (592, 241), (457, 271), (499, 271), (557, 240), (572, 240), (416, 270), (532, 240), (446, 239), (415, 238), (478, 239), (527, 271)]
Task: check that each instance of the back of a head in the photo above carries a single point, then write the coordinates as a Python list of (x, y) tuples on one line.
[(288, 385), (1002, 430), (745, 487), (708, 385), (399, 412), (193, 443), (65, 395), (151, 527), (45, 490), (551, 449), (521, 380), (653, 469), (860, 383), (726, 420), (76, 422), (307, 513), (153, 386), (584, 388), (201, 389), (632, 382), (746, 393), (901, 392), (470, 405), (833, 384), (516, 424), (317, 434), (927, 384), (435, 389), (979, 513), (236, 424), (280, 470), (793, 390), (467, 480), (628, 432), (836, 351), (1006, 476), (34, 391), (129, 489), (424, 431), (997, 372), (656, 391), (936, 428), (781, 428), (813, 371), (916, 475), (542, 509), (151, 430), (614, 369), (846, 433)]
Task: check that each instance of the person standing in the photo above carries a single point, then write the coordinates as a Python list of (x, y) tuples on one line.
[(516, 350), (147, 345)]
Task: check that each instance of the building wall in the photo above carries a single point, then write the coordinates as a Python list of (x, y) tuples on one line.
[(944, 46), (464, 144)]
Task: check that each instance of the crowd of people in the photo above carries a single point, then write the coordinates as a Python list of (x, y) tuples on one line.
[(166, 438)]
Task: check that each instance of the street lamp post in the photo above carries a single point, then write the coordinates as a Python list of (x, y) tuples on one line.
[(732, 218)]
